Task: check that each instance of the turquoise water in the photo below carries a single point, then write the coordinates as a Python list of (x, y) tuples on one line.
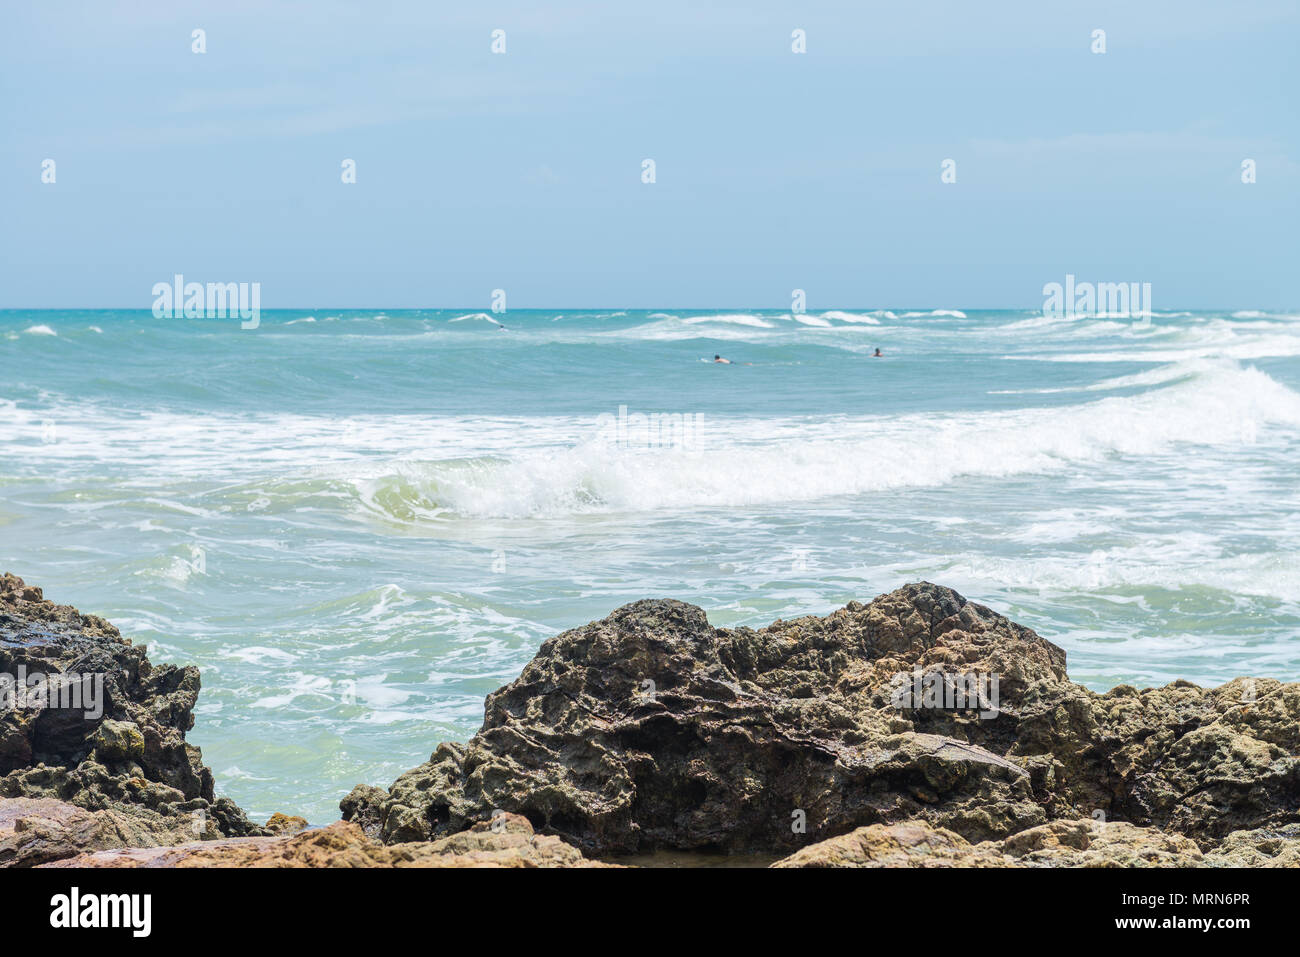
[(359, 523)]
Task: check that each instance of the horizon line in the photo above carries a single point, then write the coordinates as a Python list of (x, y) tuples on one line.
[(488, 310)]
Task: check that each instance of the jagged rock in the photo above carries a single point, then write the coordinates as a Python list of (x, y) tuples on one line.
[(1204, 762), (115, 740), (652, 730), (507, 842), (746, 733)]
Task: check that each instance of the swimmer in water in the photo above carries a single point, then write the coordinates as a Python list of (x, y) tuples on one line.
[(725, 362), (878, 354)]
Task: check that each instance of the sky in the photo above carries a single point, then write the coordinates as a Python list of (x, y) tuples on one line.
[(774, 170)]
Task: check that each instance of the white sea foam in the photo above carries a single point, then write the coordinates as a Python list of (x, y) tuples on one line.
[(733, 319), (477, 316), (409, 466), (862, 318), (1157, 376), (1077, 326), (1174, 562), (1248, 347), (849, 456), (40, 330), (672, 329)]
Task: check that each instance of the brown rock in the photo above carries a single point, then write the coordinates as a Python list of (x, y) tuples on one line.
[(892, 845), (282, 825), (36, 831), (507, 842), (1077, 843)]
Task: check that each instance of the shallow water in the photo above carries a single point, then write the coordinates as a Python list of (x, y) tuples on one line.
[(360, 523)]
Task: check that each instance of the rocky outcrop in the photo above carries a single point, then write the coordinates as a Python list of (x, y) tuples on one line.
[(920, 730), (653, 730), (508, 841), (92, 739)]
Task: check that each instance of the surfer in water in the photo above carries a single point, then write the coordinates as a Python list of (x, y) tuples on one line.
[(878, 354), (725, 362)]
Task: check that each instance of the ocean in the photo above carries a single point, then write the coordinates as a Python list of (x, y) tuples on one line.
[(358, 523)]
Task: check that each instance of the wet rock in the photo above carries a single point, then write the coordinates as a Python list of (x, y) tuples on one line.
[(87, 721)]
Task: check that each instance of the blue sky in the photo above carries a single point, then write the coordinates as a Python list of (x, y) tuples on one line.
[(775, 171)]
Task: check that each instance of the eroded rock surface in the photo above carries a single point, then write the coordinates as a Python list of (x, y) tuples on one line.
[(507, 842), (118, 754), (651, 729), (34, 831), (1077, 843)]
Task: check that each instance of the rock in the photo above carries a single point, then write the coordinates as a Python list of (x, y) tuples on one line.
[(745, 741), (847, 740), (1087, 842), (118, 741), (507, 842), (87, 721), (891, 845), (652, 730), (1077, 843), (362, 805), (34, 831), (282, 825), (1263, 847)]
